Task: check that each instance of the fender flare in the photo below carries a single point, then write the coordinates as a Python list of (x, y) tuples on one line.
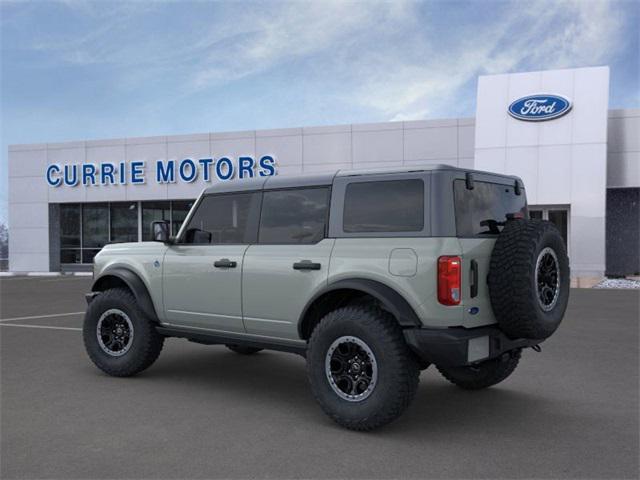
[(392, 301), (135, 284)]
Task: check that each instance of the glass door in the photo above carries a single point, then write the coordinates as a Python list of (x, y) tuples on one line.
[(559, 216)]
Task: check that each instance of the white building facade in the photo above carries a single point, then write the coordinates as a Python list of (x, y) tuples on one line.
[(580, 167)]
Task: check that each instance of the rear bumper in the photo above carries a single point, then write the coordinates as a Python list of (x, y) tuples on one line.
[(452, 347)]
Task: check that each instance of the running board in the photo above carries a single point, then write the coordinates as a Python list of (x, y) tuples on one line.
[(209, 338)]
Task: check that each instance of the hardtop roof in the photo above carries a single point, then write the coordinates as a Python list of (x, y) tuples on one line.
[(321, 179)]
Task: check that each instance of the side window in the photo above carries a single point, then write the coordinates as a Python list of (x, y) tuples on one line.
[(225, 218), (483, 210), (384, 206), (294, 215)]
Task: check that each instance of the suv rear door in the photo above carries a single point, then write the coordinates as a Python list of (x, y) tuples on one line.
[(203, 270), (480, 212), (290, 261)]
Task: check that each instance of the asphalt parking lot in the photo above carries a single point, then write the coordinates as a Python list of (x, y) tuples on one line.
[(205, 412)]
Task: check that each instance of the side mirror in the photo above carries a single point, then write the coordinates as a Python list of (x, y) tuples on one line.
[(160, 231)]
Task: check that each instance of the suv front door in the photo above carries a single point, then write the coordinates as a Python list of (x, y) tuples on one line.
[(290, 261), (202, 272)]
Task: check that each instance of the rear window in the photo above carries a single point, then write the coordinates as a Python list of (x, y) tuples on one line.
[(384, 206), (483, 210), (294, 216)]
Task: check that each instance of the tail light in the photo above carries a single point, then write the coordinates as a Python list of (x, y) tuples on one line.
[(449, 281)]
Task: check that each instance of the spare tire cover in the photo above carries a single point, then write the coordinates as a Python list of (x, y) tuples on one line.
[(529, 279)]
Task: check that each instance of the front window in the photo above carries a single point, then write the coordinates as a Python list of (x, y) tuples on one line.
[(224, 219)]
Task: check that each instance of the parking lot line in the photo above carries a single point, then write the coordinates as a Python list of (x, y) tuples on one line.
[(35, 317), (38, 326)]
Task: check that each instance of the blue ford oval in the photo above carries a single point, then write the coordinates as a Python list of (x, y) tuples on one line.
[(536, 108)]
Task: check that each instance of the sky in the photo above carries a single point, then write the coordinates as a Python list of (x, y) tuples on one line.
[(76, 70)]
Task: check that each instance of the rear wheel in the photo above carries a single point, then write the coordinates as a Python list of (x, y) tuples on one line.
[(118, 337), (360, 369), (485, 374), (243, 349)]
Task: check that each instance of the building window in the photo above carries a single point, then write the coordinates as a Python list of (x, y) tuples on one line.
[(124, 222), (558, 216), (153, 212), (95, 229), (86, 228), (179, 211), (70, 234)]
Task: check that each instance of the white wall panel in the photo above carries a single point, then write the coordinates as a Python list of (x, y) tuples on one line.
[(98, 153), (491, 129), (523, 162), (466, 141), (28, 215), (27, 163), (377, 146), (624, 134), (491, 159), (588, 180), (431, 143), (623, 169), (286, 149), (148, 153), (194, 150), (30, 240), (28, 262), (558, 131), (327, 148), (591, 104), (521, 133), (554, 174), (29, 189)]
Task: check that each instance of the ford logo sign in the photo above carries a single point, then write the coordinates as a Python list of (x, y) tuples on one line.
[(536, 108)]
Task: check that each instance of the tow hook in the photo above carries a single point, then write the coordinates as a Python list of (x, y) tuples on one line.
[(536, 348)]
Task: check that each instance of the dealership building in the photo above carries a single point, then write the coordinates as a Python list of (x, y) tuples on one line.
[(579, 160)]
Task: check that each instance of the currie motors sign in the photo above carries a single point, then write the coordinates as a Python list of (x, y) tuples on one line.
[(164, 171), (540, 107)]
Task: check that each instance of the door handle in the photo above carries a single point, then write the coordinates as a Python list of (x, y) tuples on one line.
[(306, 265), (474, 279), (225, 263)]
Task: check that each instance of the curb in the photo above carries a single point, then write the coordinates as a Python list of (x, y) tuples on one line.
[(46, 274)]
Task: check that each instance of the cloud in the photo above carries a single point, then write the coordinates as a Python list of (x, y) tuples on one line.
[(393, 58), (534, 35)]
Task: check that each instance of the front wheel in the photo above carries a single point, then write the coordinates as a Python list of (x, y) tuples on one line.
[(485, 374), (360, 369), (118, 337)]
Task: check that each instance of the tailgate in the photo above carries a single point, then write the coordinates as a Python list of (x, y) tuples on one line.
[(476, 302)]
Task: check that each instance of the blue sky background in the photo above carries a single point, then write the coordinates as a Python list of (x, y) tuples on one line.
[(74, 70)]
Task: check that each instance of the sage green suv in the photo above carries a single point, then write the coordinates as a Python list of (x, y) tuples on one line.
[(371, 275)]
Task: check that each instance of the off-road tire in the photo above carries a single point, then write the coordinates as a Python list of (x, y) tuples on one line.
[(243, 349), (146, 343), (512, 283), (484, 374), (398, 372)]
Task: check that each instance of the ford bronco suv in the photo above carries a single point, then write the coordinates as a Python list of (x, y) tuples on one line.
[(372, 276)]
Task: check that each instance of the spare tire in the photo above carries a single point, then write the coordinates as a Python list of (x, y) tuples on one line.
[(529, 279)]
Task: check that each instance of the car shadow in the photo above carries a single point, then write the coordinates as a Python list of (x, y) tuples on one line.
[(278, 381)]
